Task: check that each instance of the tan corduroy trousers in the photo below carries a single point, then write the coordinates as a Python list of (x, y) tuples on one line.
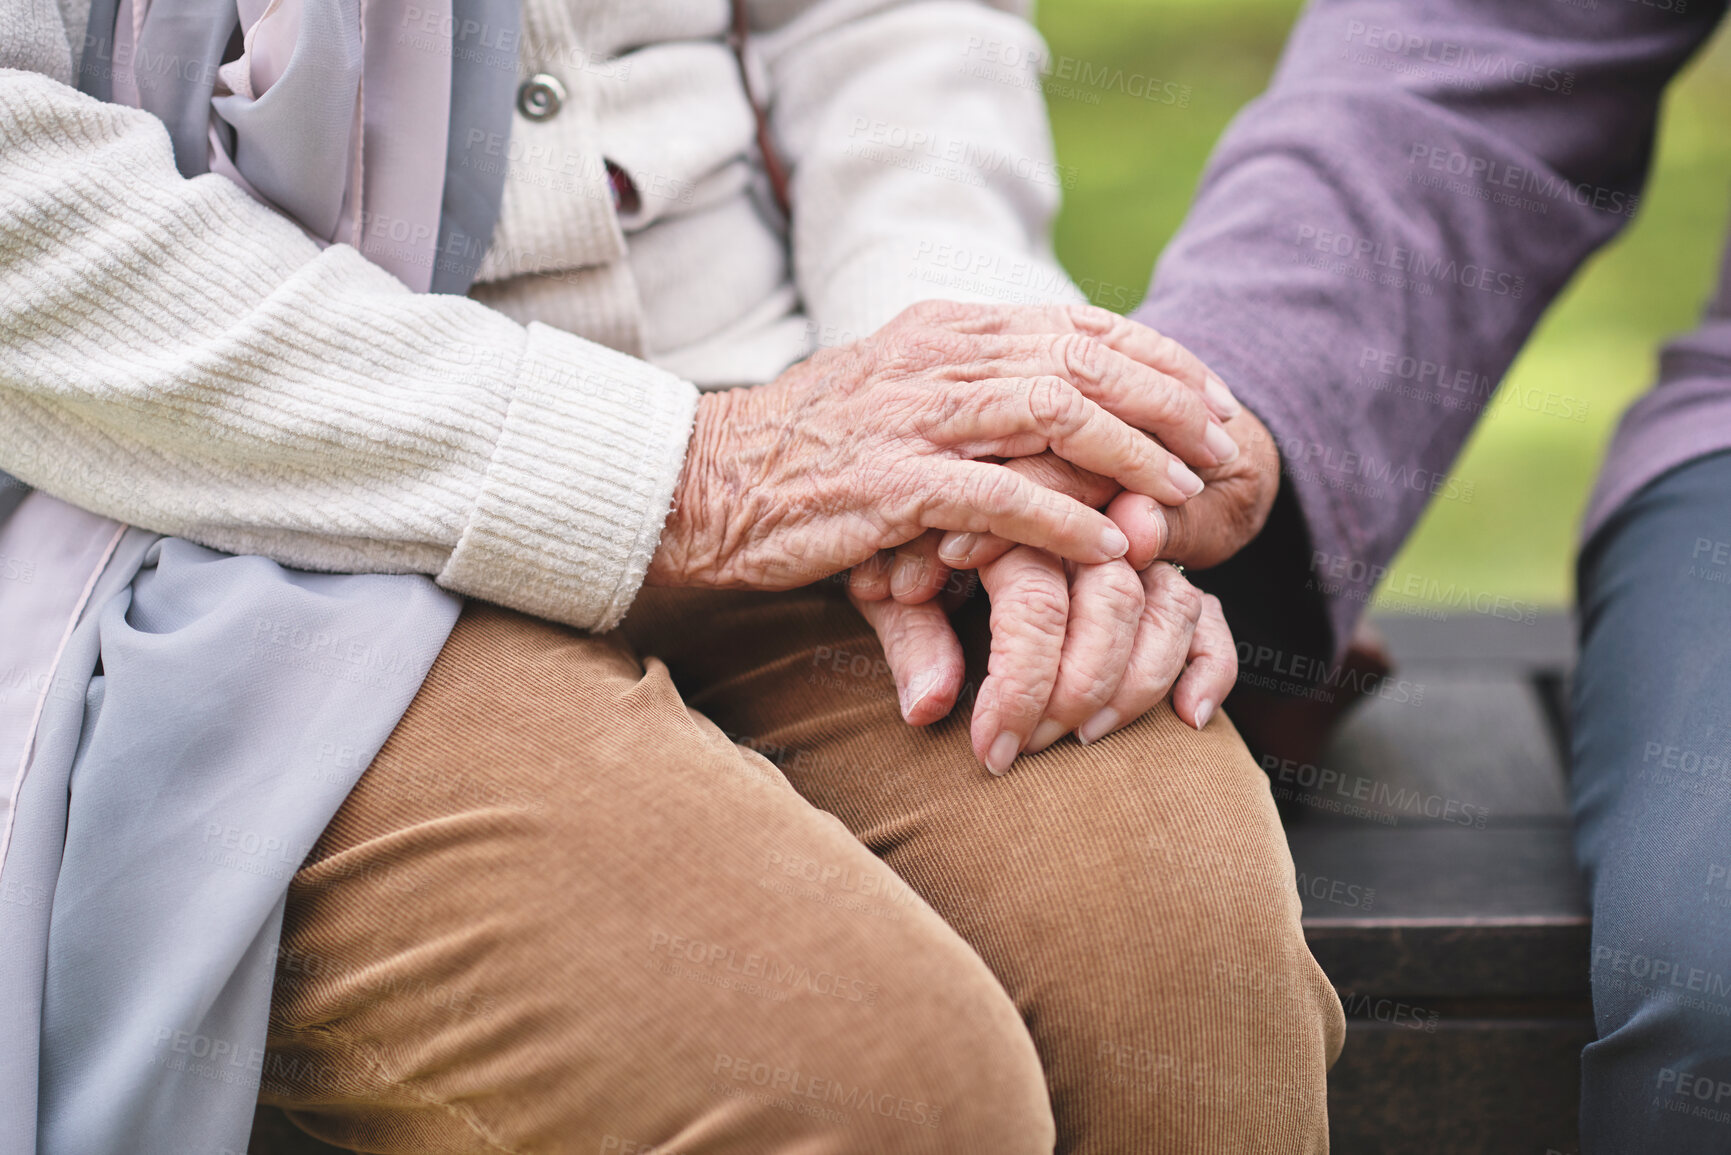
[(695, 888)]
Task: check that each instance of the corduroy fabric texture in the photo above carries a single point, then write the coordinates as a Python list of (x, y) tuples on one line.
[(595, 890)]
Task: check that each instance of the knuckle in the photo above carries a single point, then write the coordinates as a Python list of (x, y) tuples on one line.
[(1080, 696), (1120, 592), (1223, 668), (1097, 691), (921, 348), (934, 406), (993, 492), (1167, 351), (1176, 406), (1080, 356), (1188, 600), (908, 415), (1072, 518), (886, 477), (1165, 615), (1020, 695), (898, 494), (1153, 680), (946, 347), (1044, 604), (1175, 601), (1055, 405)]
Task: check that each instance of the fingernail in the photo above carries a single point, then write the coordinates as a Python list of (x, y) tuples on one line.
[(1220, 398), (1220, 444), (905, 576), (1098, 726), (1114, 543), (1003, 752), (919, 690), (1204, 711), (1045, 734), (955, 548), (1186, 481)]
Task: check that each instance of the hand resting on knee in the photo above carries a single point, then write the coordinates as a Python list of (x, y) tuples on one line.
[(1083, 648)]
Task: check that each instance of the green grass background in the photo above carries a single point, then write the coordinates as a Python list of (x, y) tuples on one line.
[(1136, 164)]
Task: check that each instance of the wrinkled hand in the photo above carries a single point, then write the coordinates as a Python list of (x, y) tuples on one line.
[(1128, 666), (1205, 531), (866, 447), (1087, 648)]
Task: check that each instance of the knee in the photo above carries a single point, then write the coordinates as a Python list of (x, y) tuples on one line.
[(1260, 1022), (899, 1039), (962, 1073), (1655, 979), (1658, 951), (1165, 972), (1236, 954), (932, 1058), (918, 1083), (1221, 1031)]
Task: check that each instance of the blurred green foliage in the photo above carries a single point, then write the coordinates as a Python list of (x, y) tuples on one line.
[(1136, 163)]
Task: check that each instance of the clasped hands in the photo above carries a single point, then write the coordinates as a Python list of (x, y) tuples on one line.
[(1061, 452)]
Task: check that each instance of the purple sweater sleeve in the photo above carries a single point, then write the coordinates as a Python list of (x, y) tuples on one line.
[(1374, 239)]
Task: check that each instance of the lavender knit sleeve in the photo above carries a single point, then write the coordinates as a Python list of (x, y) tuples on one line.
[(1375, 238)]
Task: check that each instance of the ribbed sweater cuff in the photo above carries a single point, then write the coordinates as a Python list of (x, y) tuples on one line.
[(579, 486)]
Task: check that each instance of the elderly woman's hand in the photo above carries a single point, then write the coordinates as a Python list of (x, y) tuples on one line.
[(1110, 657), (1086, 648), (866, 447), (1201, 533)]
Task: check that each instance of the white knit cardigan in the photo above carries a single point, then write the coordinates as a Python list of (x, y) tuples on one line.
[(177, 356)]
